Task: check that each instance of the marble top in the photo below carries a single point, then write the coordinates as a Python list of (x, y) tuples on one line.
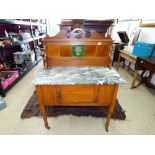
[(77, 75)]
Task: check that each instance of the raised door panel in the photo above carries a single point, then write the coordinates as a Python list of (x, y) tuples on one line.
[(78, 94)]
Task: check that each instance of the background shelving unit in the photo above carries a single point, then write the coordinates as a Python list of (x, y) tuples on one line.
[(21, 22), (14, 25)]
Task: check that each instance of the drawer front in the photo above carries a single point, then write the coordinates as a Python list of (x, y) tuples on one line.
[(147, 65)]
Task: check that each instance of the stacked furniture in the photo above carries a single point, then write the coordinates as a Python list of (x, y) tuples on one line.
[(101, 26), (143, 58), (77, 72)]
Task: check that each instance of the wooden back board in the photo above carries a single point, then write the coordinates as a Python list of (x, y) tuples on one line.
[(59, 50)]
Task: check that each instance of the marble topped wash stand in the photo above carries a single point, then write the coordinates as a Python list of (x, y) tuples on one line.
[(77, 72)]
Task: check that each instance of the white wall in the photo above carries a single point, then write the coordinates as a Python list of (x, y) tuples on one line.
[(128, 26), (53, 26), (147, 35)]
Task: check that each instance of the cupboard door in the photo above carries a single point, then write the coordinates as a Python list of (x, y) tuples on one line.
[(81, 95), (77, 95)]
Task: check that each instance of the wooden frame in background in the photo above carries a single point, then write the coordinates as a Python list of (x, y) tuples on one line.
[(147, 23)]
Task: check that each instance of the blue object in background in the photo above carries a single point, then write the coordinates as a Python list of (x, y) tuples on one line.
[(143, 49)]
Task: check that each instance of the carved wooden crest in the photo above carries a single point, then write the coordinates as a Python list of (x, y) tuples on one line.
[(77, 33)]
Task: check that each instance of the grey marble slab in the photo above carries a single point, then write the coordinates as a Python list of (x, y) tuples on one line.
[(77, 75)]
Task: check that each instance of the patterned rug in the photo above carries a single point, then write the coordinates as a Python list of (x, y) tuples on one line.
[(32, 109)]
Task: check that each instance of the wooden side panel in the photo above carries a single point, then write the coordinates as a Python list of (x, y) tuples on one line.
[(102, 51), (48, 94), (106, 94), (39, 95), (51, 94)]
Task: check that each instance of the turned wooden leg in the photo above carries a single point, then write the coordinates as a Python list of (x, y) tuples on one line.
[(148, 82), (123, 63), (129, 66), (111, 108), (142, 80), (134, 79), (43, 112), (42, 105), (107, 121), (119, 57)]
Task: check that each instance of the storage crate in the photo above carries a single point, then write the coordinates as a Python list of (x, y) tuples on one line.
[(12, 78), (143, 49)]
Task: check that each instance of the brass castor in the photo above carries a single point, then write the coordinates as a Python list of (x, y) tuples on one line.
[(106, 129), (48, 127)]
